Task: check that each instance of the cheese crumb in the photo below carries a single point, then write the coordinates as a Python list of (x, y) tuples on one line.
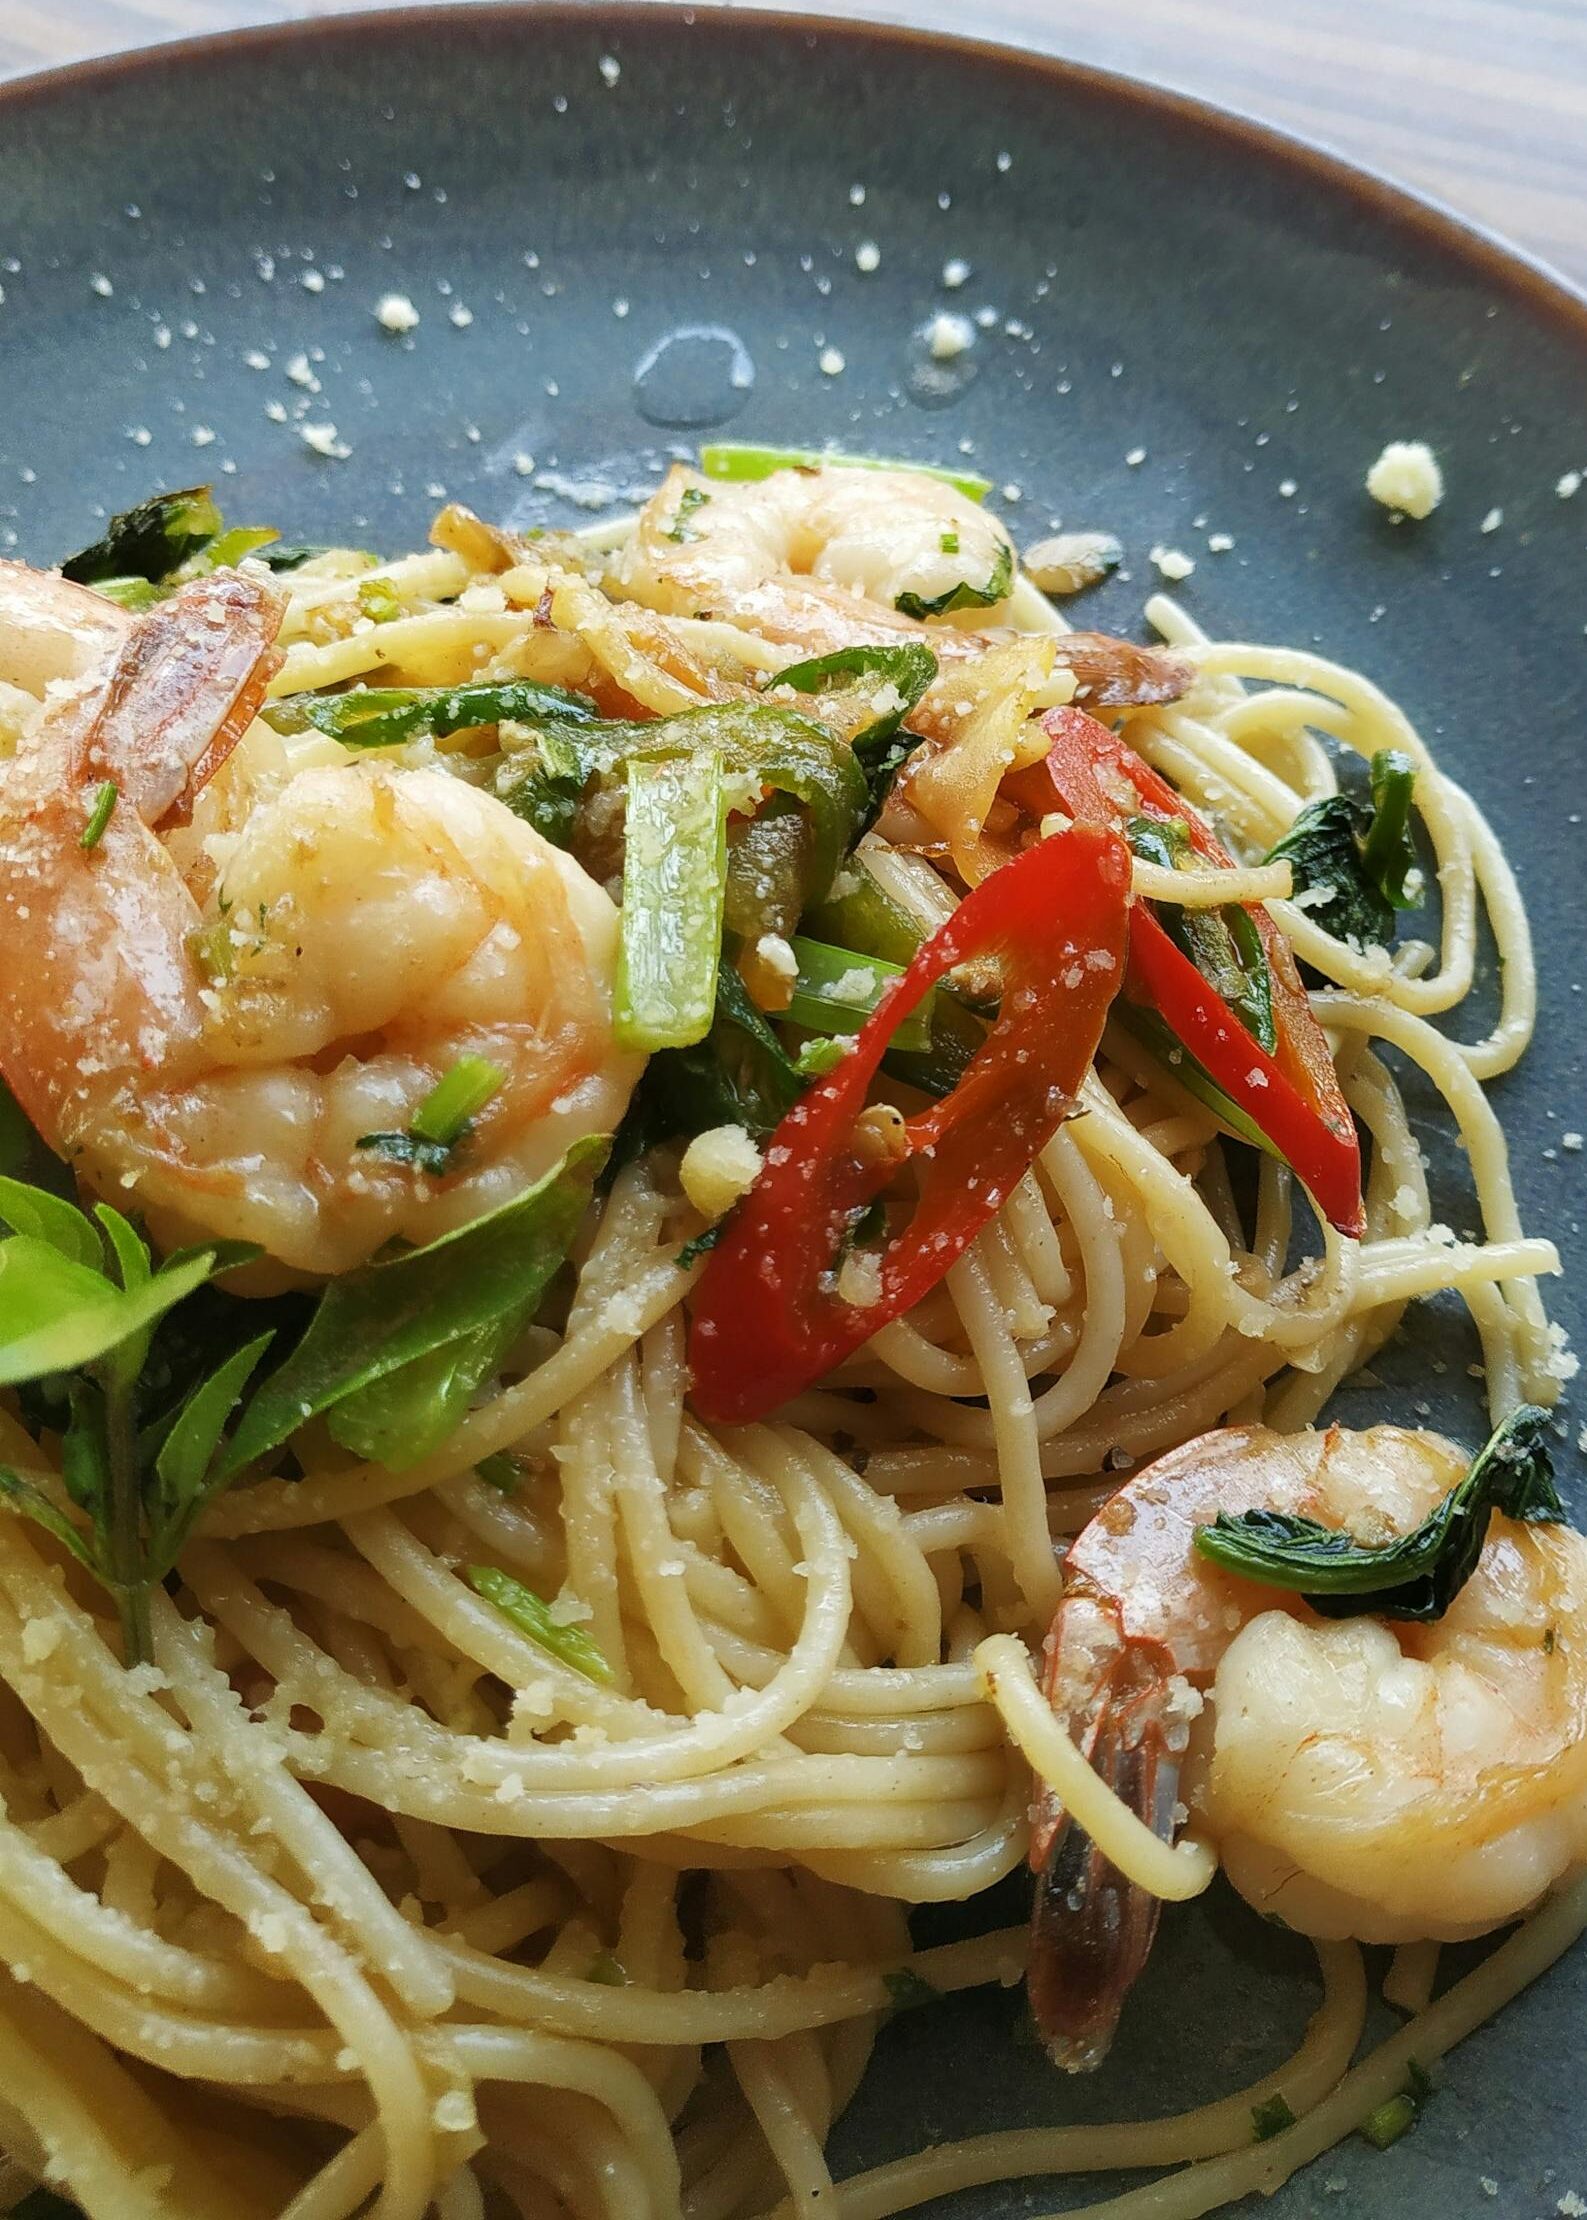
[(830, 363), (1572, 2206), (1173, 565), (1219, 543), (460, 316), (324, 440), (1135, 458), (718, 1166), (948, 336), (955, 274), (867, 256), (396, 313), (101, 285), (860, 1280), (1406, 478), (610, 68), (1571, 1141), (1492, 521), (1569, 485), (39, 1640)]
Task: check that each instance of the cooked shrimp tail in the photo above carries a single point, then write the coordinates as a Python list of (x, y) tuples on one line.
[(1092, 1928)]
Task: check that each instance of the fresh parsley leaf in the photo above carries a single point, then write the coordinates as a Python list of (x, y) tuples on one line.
[(700, 1244), (692, 498), (1417, 1576)]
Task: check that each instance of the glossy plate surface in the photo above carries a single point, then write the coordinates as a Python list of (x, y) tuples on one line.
[(624, 231)]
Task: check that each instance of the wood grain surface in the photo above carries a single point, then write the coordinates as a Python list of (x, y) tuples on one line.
[(1480, 102)]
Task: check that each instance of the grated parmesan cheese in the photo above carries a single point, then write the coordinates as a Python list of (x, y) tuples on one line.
[(1407, 479)]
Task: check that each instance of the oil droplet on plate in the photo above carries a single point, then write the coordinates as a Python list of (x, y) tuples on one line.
[(697, 375), (942, 361)]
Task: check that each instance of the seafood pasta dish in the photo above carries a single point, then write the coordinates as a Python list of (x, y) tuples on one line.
[(678, 1209)]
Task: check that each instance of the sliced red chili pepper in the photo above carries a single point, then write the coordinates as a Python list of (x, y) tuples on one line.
[(1292, 1096), (767, 1315)]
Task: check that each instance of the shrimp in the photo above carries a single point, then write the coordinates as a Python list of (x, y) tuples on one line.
[(1390, 1782), (831, 558), (211, 1049)]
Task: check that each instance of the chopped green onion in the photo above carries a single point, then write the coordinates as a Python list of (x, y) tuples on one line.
[(531, 1615), (453, 1103), (674, 885), (227, 550), (502, 1472), (1271, 2118), (379, 600), (1389, 2121), (948, 543), (836, 991), (99, 816), (738, 465)]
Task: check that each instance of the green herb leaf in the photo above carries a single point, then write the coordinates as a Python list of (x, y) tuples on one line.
[(743, 465), (99, 816), (1271, 2118), (1420, 1574), (386, 716), (33, 1210), (700, 1244), (502, 1472), (291, 555), (1150, 1030), (531, 1615), (964, 594), (56, 1316), (128, 1251), (909, 1990), (431, 1157), (692, 498), (371, 1323), (149, 541), (740, 1074), (24, 1497), (1357, 860), (183, 1467)]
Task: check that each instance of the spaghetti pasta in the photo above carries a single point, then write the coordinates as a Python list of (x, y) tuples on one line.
[(365, 1894)]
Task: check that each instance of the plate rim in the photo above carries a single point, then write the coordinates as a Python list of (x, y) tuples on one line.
[(1502, 261)]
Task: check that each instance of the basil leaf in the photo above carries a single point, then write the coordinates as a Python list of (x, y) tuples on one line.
[(531, 1615), (1354, 860), (964, 595), (1418, 1575), (1271, 2118), (130, 1255), (182, 1468), (47, 1217), (291, 554), (150, 540), (880, 745), (399, 1419), (386, 716), (371, 1323)]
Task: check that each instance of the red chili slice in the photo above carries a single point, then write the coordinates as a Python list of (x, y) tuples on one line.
[(767, 1315), (1293, 1096)]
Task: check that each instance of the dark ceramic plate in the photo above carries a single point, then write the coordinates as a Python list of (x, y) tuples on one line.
[(622, 228)]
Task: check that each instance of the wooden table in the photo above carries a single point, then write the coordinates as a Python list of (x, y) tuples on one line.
[(1481, 102)]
